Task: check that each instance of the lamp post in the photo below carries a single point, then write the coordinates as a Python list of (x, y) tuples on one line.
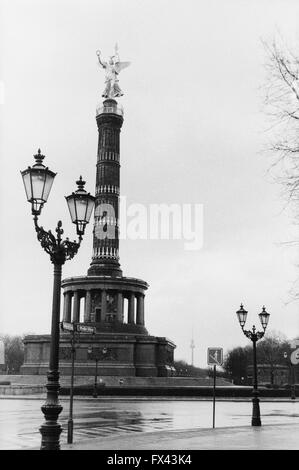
[(38, 181), (292, 375), (70, 423), (254, 336)]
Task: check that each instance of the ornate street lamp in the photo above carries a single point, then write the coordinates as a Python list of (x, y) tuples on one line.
[(264, 318), (254, 336), (242, 316), (80, 204), (38, 181)]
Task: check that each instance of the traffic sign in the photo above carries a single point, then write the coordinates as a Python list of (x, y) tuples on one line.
[(85, 329), (77, 327), (67, 326), (215, 356)]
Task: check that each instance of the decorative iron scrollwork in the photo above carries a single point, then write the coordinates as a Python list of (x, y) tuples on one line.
[(58, 249), (254, 335)]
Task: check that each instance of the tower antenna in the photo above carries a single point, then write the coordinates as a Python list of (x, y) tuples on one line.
[(192, 346)]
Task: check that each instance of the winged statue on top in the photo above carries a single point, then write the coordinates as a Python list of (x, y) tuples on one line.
[(112, 68)]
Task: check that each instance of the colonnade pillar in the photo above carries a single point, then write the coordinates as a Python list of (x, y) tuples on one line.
[(76, 307), (140, 310), (123, 308), (67, 307), (103, 305), (87, 309), (72, 312), (120, 307), (131, 308)]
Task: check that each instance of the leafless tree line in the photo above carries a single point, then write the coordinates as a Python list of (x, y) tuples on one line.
[(282, 107)]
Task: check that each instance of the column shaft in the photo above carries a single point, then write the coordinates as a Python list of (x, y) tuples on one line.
[(140, 310), (87, 309), (76, 307), (103, 305), (120, 307), (67, 308)]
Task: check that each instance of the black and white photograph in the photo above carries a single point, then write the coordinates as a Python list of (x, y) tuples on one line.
[(149, 200)]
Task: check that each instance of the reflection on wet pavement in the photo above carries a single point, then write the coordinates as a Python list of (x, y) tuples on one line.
[(20, 419)]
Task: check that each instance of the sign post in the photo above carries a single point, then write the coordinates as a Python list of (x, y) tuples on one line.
[(215, 357), (2, 356), (214, 394), (73, 328)]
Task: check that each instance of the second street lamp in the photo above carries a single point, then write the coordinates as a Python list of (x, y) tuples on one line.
[(38, 181), (80, 204), (96, 354), (93, 355), (254, 336)]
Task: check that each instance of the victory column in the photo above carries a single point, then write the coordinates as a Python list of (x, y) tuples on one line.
[(105, 299)]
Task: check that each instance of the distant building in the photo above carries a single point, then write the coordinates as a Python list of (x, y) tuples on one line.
[(277, 374)]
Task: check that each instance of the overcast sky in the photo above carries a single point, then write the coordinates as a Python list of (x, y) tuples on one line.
[(194, 131)]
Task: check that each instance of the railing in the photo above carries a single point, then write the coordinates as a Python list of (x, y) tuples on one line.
[(110, 109)]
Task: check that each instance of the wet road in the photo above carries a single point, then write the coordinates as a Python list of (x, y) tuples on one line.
[(20, 419)]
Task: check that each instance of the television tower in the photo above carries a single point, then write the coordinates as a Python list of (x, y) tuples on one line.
[(192, 346)]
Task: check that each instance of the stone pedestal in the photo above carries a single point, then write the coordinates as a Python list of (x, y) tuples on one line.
[(119, 355)]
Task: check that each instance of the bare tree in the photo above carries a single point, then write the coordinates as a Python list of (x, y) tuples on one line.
[(270, 351), (14, 352), (282, 102), (282, 106), (236, 362)]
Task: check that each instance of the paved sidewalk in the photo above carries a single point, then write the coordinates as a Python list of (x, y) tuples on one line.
[(278, 437)]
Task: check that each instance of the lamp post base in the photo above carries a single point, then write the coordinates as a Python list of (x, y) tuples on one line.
[(51, 430), (70, 426), (256, 415)]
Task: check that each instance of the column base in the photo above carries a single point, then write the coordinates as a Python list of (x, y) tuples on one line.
[(99, 268)]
